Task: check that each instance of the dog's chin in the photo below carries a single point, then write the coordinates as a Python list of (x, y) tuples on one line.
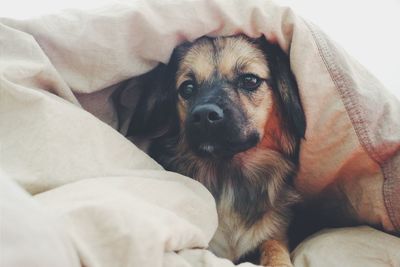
[(224, 150)]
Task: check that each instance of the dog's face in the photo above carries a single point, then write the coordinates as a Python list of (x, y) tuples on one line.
[(227, 95), (224, 95)]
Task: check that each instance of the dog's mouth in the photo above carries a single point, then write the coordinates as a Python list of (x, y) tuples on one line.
[(225, 149)]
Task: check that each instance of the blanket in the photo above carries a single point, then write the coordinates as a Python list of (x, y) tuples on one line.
[(76, 189)]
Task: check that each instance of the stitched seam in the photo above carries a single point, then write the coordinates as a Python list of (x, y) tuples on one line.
[(356, 118), (347, 96), (388, 191)]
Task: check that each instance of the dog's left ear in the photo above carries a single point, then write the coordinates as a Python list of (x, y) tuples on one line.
[(285, 86)]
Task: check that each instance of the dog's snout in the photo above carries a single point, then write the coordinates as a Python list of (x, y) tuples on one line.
[(208, 114)]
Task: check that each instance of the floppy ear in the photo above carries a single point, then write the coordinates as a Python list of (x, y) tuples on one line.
[(285, 86), (155, 107), (154, 99), (146, 104)]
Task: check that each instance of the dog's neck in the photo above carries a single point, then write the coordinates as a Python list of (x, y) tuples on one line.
[(254, 180)]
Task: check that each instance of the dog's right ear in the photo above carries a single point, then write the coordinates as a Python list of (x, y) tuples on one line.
[(155, 105), (152, 100), (144, 104)]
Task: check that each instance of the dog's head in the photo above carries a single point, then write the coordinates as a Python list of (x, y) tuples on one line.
[(229, 95)]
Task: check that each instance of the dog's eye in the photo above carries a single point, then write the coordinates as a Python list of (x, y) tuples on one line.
[(187, 89), (249, 82)]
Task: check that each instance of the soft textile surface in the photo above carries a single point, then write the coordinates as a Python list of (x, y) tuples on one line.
[(28, 233), (111, 202), (355, 247)]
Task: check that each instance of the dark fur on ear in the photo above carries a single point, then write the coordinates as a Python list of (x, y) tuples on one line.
[(155, 104), (284, 84), (155, 112)]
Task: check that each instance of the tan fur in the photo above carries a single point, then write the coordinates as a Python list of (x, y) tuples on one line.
[(198, 60), (273, 137), (275, 253), (238, 53)]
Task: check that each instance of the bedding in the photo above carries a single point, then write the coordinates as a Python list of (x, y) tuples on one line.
[(74, 184)]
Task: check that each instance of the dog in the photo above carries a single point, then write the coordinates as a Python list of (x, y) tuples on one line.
[(226, 111)]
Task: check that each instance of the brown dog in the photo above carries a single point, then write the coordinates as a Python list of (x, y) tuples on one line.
[(226, 112)]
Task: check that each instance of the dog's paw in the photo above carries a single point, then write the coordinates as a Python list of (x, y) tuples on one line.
[(275, 254), (268, 262)]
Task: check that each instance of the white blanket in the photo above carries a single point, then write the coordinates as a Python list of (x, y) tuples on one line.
[(94, 198)]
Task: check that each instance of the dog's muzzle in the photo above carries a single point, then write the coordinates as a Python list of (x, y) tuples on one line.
[(212, 132)]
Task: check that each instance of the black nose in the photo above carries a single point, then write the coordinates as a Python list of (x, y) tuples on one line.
[(207, 115)]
